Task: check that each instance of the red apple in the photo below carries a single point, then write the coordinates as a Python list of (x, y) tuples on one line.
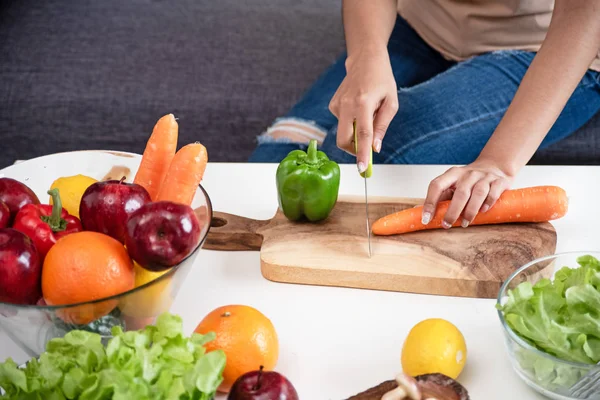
[(162, 234), (4, 215), (15, 195), (20, 268), (106, 206), (262, 385)]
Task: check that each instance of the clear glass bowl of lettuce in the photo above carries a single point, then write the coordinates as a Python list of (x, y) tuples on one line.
[(550, 314)]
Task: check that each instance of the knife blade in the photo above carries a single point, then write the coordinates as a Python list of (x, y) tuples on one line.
[(367, 174)]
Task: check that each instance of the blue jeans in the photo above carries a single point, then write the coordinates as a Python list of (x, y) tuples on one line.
[(448, 110)]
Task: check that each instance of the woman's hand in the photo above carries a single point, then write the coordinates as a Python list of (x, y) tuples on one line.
[(570, 45), (569, 48), (473, 188), (368, 94)]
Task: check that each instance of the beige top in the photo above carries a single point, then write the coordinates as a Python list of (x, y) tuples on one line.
[(460, 29)]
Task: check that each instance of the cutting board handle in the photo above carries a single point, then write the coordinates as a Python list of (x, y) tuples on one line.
[(230, 232)]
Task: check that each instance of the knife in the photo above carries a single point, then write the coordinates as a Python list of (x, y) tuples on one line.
[(367, 174)]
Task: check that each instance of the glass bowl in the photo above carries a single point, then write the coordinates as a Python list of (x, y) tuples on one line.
[(551, 376), (32, 326)]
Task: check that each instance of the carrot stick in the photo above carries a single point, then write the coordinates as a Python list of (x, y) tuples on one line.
[(184, 175), (532, 204), (159, 152)]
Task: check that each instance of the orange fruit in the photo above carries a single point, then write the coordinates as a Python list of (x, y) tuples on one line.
[(82, 267), (247, 337)]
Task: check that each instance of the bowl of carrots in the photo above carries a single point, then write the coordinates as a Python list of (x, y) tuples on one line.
[(109, 288)]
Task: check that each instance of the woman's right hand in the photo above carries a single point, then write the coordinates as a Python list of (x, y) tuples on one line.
[(368, 94)]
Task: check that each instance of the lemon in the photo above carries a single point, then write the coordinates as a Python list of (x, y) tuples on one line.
[(150, 301), (434, 346), (71, 189)]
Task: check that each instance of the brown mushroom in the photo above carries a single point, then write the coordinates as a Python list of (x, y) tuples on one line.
[(440, 387), (430, 387), (407, 388)]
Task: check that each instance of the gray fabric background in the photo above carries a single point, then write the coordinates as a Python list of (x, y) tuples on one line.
[(85, 74)]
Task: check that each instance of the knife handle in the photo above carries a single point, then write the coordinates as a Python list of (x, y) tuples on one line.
[(369, 170)]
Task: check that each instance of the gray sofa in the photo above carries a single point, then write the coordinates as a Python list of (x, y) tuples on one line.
[(85, 74)]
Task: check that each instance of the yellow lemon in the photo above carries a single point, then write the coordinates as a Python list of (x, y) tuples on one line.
[(434, 346), (71, 189), (150, 301)]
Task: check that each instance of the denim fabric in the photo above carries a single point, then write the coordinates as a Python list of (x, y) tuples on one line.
[(448, 110)]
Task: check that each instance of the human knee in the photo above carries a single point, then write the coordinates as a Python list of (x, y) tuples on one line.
[(293, 130)]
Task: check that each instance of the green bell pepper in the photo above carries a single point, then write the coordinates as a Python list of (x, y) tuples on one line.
[(307, 184)]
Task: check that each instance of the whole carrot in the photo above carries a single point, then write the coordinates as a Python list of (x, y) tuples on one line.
[(532, 204), (158, 154), (184, 175)]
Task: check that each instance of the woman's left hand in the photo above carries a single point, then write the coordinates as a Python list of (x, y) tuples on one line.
[(473, 188)]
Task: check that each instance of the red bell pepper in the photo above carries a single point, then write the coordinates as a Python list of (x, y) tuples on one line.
[(45, 224)]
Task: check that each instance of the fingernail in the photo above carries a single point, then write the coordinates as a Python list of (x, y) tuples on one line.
[(464, 223), (484, 208), (446, 225), (362, 167), (426, 218), (377, 145)]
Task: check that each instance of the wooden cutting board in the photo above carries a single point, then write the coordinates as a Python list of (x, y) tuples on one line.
[(471, 262)]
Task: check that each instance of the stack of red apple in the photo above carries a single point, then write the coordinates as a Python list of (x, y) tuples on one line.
[(157, 234), (20, 267)]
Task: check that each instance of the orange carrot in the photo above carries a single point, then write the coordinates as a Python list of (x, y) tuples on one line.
[(184, 175), (159, 152), (532, 204)]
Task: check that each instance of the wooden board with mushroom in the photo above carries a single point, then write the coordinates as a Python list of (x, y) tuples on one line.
[(404, 387)]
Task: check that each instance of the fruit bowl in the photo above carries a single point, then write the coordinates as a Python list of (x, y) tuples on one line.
[(32, 326), (549, 346)]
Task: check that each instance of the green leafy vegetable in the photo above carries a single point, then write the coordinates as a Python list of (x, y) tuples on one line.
[(559, 317), (547, 373), (157, 362)]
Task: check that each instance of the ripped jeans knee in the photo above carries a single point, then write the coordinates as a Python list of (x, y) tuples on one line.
[(293, 130), (290, 133)]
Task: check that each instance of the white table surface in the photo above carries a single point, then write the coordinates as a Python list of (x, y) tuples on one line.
[(336, 342)]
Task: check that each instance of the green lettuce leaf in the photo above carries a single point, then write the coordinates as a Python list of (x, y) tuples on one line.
[(157, 362)]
